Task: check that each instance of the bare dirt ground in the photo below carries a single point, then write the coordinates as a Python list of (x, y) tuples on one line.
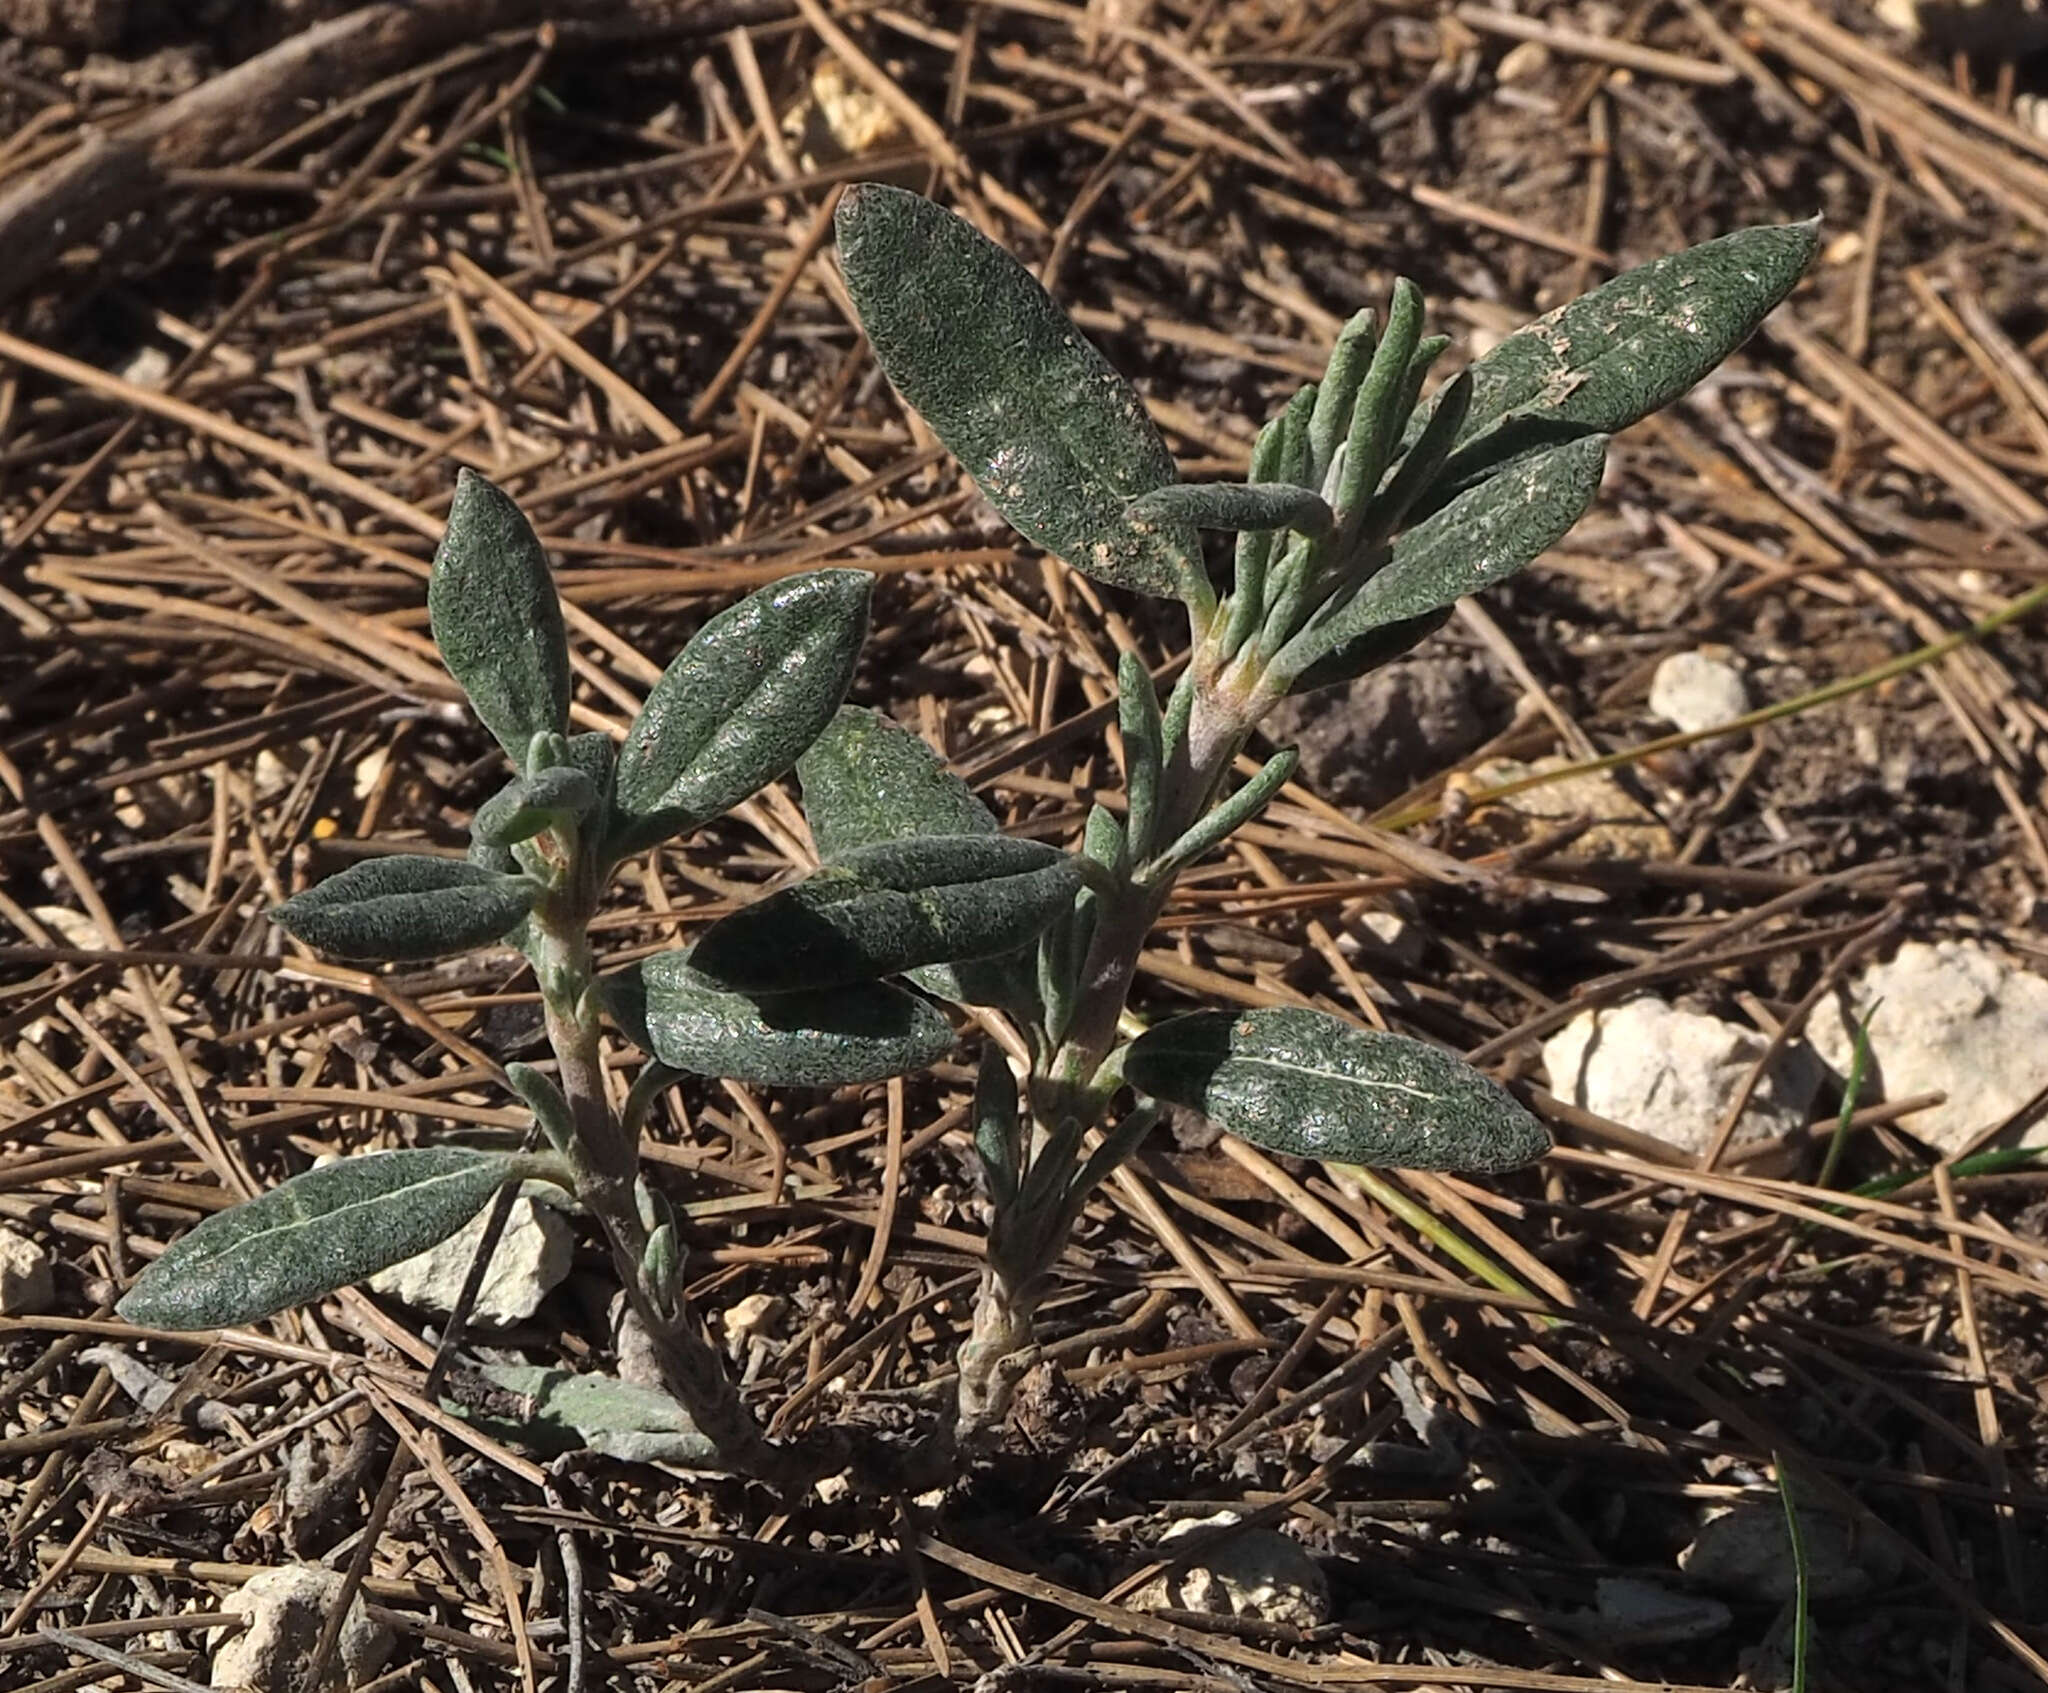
[(254, 325)]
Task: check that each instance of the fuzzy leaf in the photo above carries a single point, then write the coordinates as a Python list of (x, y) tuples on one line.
[(525, 806), (1056, 439), (1238, 506), (1611, 357), (636, 1425), (303, 1239), (1337, 393), (1143, 730), (1481, 538), (740, 703), (405, 907), (1227, 816), (541, 1095), (825, 1037), (879, 910), (868, 779), (1300, 1082), (1423, 462), (1377, 413), (497, 619)]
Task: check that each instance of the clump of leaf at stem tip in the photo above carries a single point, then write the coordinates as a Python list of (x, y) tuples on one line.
[(1368, 514)]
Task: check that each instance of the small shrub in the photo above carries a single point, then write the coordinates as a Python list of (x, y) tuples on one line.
[(1367, 515)]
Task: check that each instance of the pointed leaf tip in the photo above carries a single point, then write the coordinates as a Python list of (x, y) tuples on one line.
[(1633, 345), (740, 703), (323, 1230), (497, 618), (1054, 437), (406, 907)]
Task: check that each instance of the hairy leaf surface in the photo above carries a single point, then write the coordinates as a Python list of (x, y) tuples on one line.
[(525, 806), (303, 1239), (497, 619), (1056, 439), (1633, 345), (1300, 1082), (868, 779), (595, 1413), (405, 907), (1481, 538), (879, 910), (740, 703), (823, 1037)]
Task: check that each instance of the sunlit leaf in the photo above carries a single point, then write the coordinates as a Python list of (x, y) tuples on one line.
[(1056, 439), (497, 619), (405, 907), (1633, 345), (740, 703), (326, 1229), (1480, 539), (1298, 1081)]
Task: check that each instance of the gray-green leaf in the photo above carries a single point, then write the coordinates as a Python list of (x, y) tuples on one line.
[(524, 806), (817, 1038), (1300, 1082), (998, 1127), (868, 779), (636, 1425), (740, 703), (879, 910), (405, 907), (1611, 357), (1481, 538), (1056, 439), (1368, 650), (497, 619), (1238, 506), (317, 1232)]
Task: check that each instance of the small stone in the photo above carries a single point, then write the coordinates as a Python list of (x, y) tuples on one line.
[(1634, 1612), (72, 928), (1395, 936), (531, 1260), (750, 1316), (1523, 62), (1623, 828), (286, 1609), (1951, 1017), (1673, 1074), (1260, 1574), (1697, 690), (639, 1362), (27, 1289), (840, 118), (1747, 1554)]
